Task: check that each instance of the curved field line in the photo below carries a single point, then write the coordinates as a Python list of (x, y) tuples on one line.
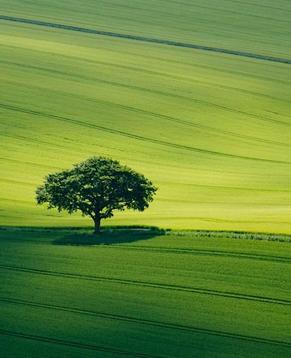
[(32, 140), (199, 126), (158, 92), (146, 39), (188, 123), (180, 77), (178, 250), (171, 287), (144, 321), (138, 137), (75, 344), (173, 250)]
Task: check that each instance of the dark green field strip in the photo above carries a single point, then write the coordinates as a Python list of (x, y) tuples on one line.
[(139, 137), (195, 290), (75, 344), (145, 321), (152, 249), (146, 39)]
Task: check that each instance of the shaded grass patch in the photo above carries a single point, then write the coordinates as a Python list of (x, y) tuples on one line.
[(111, 236)]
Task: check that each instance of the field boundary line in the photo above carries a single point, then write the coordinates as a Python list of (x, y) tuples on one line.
[(140, 38), (170, 287), (146, 322)]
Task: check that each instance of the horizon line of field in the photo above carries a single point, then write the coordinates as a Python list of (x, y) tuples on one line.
[(146, 39), (139, 137), (144, 284), (148, 322)]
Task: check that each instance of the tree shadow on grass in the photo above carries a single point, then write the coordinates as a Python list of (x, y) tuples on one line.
[(110, 236)]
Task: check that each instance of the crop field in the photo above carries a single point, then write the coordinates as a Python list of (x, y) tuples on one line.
[(196, 96), (143, 293), (212, 130)]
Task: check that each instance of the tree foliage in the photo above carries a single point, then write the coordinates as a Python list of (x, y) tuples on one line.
[(96, 187)]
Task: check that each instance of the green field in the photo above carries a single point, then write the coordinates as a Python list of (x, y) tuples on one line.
[(144, 294), (211, 130), (196, 96)]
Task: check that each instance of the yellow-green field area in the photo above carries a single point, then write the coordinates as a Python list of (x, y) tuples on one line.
[(211, 130)]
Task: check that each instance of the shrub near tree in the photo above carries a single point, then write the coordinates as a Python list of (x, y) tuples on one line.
[(96, 187)]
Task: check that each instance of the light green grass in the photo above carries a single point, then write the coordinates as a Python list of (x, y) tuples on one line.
[(233, 113), (249, 25), (145, 292)]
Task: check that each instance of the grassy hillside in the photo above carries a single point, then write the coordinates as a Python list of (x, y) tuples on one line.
[(145, 294), (249, 25), (211, 130)]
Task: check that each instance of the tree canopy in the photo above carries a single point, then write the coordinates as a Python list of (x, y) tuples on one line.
[(96, 187)]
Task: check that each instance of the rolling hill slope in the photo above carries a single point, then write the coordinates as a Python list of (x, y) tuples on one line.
[(212, 130)]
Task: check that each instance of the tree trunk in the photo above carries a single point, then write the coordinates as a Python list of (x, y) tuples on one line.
[(97, 221)]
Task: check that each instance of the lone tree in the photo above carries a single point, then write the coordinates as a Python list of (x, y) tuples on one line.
[(96, 187)]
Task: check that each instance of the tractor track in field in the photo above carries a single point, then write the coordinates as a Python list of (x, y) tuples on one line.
[(168, 94), (161, 286), (147, 322), (202, 252), (139, 137), (174, 250), (171, 118), (183, 122), (139, 38), (72, 344)]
